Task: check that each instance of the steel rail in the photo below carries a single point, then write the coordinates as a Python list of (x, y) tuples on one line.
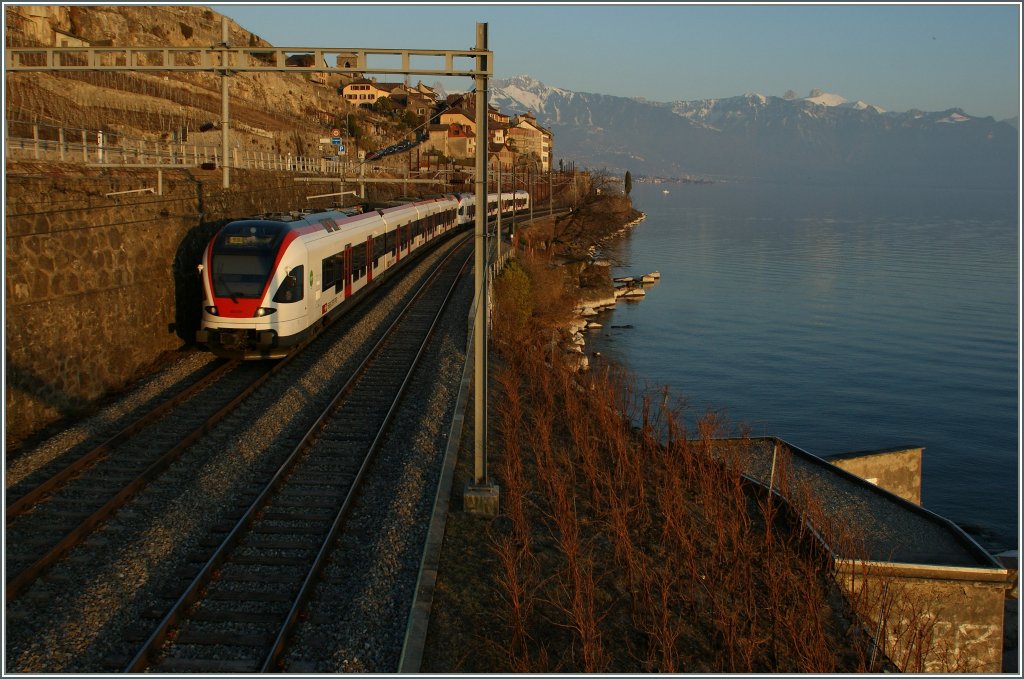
[(86, 527), (273, 660), (92, 456)]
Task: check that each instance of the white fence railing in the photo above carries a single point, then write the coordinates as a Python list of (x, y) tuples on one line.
[(93, 147)]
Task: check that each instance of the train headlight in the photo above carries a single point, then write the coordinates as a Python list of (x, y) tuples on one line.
[(264, 311), (212, 310)]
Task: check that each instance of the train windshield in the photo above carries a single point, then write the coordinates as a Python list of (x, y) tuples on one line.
[(243, 258)]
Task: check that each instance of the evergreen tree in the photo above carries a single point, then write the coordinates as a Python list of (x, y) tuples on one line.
[(628, 182)]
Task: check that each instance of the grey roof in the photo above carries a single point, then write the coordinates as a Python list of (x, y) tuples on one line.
[(895, 530)]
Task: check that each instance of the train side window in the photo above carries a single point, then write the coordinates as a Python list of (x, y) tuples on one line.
[(292, 287), (333, 271), (358, 261), (379, 247)]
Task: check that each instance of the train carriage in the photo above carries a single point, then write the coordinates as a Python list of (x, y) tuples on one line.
[(268, 283)]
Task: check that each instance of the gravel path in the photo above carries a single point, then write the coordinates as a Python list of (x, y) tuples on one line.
[(108, 421)]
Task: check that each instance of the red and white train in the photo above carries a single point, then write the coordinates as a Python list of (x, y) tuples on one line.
[(270, 282)]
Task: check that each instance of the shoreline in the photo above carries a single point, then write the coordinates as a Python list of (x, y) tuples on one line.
[(631, 288)]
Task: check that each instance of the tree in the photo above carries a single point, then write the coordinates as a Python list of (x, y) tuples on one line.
[(628, 182), (597, 212)]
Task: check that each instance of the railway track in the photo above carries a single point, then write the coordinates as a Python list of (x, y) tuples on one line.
[(240, 608), (52, 514), (43, 523)]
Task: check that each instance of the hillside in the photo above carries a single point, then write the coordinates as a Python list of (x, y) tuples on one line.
[(818, 138), (271, 112)]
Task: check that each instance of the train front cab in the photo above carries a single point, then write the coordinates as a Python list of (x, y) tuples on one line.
[(254, 284)]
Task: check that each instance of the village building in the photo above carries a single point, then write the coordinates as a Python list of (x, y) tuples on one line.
[(500, 157), (364, 92), (526, 138), (459, 117), (452, 140)]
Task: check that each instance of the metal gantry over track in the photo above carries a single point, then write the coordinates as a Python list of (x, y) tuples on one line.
[(225, 60)]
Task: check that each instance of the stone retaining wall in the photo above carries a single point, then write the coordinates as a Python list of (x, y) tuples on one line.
[(932, 618), (98, 287), (898, 470)]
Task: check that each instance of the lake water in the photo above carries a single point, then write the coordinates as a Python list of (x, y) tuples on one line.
[(839, 320)]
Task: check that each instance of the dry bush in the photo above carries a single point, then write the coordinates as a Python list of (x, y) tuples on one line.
[(533, 301)]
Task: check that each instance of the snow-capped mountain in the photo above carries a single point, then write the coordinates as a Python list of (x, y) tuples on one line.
[(822, 136)]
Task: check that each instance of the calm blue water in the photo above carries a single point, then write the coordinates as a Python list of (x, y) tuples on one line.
[(839, 320)]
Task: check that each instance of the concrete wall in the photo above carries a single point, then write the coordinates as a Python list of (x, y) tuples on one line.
[(898, 470), (931, 618), (96, 287)]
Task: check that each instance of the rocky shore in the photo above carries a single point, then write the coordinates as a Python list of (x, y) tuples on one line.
[(599, 292)]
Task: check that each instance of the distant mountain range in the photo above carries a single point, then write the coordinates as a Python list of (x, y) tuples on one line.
[(820, 138)]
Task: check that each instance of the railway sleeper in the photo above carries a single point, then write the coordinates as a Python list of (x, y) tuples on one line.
[(238, 616), (220, 594), (305, 502), (211, 638), (270, 561), (272, 515), (309, 479), (282, 543), (218, 666), (235, 575), (310, 492), (352, 437), (328, 463), (300, 529)]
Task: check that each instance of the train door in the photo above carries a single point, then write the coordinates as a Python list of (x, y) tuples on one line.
[(369, 259), (348, 271)]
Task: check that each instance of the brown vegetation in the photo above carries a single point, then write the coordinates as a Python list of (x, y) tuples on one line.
[(599, 210)]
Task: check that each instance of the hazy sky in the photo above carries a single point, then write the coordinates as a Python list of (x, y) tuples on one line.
[(930, 57)]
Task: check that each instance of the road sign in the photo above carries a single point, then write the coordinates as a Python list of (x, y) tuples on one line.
[(341, 148), (335, 132), (336, 141)]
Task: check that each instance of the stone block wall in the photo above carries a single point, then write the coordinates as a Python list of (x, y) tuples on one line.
[(934, 619), (898, 470), (97, 287)]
